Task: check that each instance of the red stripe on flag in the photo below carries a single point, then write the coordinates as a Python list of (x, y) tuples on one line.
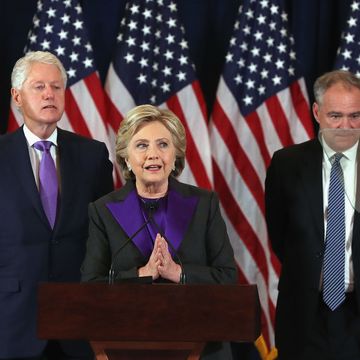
[(74, 115), (254, 124), (240, 223), (114, 115), (279, 120), (302, 108), (12, 123), (239, 156), (192, 155), (199, 95)]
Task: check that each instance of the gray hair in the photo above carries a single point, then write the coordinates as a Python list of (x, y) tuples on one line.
[(23, 65), (145, 114), (325, 81)]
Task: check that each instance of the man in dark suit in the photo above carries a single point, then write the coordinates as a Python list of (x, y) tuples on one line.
[(299, 215), (36, 245)]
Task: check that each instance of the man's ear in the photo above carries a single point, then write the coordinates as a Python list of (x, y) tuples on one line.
[(315, 110), (16, 96)]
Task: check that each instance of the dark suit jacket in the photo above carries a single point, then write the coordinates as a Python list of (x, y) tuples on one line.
[(30, 251), (205, 250), (295, 219)]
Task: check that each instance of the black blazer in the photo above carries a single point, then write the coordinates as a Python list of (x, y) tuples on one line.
[(295, 219), (30, 251), (205, 250)]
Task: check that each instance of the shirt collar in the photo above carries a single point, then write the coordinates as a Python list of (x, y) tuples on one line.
[(32, 138)]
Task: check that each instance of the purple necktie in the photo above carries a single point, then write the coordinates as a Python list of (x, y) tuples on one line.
[(48, 182)]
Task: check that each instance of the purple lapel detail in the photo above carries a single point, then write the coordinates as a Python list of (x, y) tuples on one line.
[(180, 212), (129, 216)]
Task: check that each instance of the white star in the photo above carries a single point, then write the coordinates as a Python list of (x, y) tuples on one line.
[(132, 25), (272, 26), (142, 78), (67, 3), (264, 74), (264, 3), (283, 32), (33, 38), (45, 45), (358, 60), (130, 41), (247, 30), (172, 7), (183, 44), (60, 51), (146, 30), (74, 56), (143, 62), (291, 71), (284, 16), (147, 13), (181, 76), (238, 79), (51, 12), (134, 9), (36, 22), (274, 9), (145, 46), (352, 22), (65, 19), (276, 80), (241, 62), (258, 35), (292, 55), (267, 57), (76, 41), (71, 73), (252, 67), (255, 51), (346, 54), (279, 64), (183, 60), (349, 38), (171, 23), (261, 19), (78, 24), (167, 71), (63, 34), (229, 57), (78, 9), (170, 39), (250, 84), (154, 82), (169, 55), (129, 58), (355, 6), (233, 41), (261, 90), (88, 62), (48, 28), (270, 42), (165, 87), (244, 46), (247, 100), (281, 48), (159, 18), (249, 14), (88, 47)]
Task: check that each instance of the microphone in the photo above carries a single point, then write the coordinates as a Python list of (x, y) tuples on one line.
[(182, 274), (151, 207)]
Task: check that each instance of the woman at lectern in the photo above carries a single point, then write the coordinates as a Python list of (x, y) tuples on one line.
[(156, 227)]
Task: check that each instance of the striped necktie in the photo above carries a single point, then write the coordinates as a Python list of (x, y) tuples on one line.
[(334, 258)]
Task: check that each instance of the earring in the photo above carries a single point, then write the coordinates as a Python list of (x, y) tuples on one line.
[(129, 167), (173, 168)]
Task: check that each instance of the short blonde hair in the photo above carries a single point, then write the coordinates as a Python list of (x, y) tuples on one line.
[(145, 114), (23, 65)]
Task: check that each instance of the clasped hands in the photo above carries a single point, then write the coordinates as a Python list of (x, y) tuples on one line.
[(161, 263)]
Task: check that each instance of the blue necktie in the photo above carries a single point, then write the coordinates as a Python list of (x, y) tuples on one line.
[(48, 182), (334, 258)]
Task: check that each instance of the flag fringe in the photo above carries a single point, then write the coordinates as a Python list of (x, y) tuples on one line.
[(263, 350)]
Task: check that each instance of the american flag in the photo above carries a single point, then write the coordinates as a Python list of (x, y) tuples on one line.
[(261, 106), (348, 57), (58, 27), (152, 65)]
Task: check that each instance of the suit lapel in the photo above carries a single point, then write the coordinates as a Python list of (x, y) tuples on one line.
[(67, 158), (21, 165), (312, 183)]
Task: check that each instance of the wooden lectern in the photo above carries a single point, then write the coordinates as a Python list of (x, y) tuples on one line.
[(159, 321)]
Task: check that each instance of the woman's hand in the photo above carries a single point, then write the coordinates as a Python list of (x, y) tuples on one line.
[(167, 267), (151, 268)]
